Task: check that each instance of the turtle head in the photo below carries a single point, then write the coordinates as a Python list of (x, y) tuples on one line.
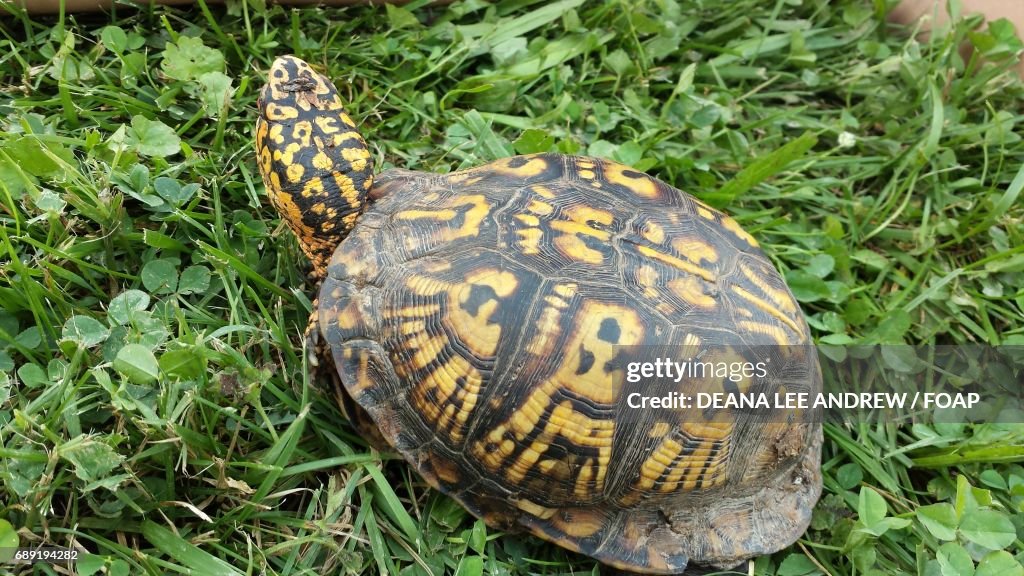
[(315, 164)]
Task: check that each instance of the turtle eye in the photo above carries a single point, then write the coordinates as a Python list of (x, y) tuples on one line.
[(304, 83)]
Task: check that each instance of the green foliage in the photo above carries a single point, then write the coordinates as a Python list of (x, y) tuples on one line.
[(155, 400)]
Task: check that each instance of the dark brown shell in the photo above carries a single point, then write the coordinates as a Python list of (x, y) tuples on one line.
[(477, 316)]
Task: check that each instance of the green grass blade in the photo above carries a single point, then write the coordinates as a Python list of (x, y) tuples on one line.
[(192, 557)]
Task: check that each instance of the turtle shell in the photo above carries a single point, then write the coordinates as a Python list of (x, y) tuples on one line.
[(480, 318)]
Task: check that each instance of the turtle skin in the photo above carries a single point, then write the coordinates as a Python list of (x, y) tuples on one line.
[(479, 318)]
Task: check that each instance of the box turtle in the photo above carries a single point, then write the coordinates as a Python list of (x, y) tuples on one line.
[(475, 320)]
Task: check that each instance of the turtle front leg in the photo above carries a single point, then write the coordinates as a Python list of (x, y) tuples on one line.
[(312, 338)]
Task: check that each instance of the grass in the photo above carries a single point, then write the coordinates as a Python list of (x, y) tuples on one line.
[(155, 409)]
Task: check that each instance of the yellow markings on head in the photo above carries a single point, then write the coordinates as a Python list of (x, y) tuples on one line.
[(286, 205), (301, 132), (677, 263), (348, 191), (767, 308), (691, 290), (275, 186), (636, 182), (338, 140), (314, 187), (358, 157), (295, 172), (298, 137), (277, 133), (266, 162), (322, 161), (287, 156), (327, 124), (276, 112), (262, 133), (334, 103), (731, 225), (318, 92)]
